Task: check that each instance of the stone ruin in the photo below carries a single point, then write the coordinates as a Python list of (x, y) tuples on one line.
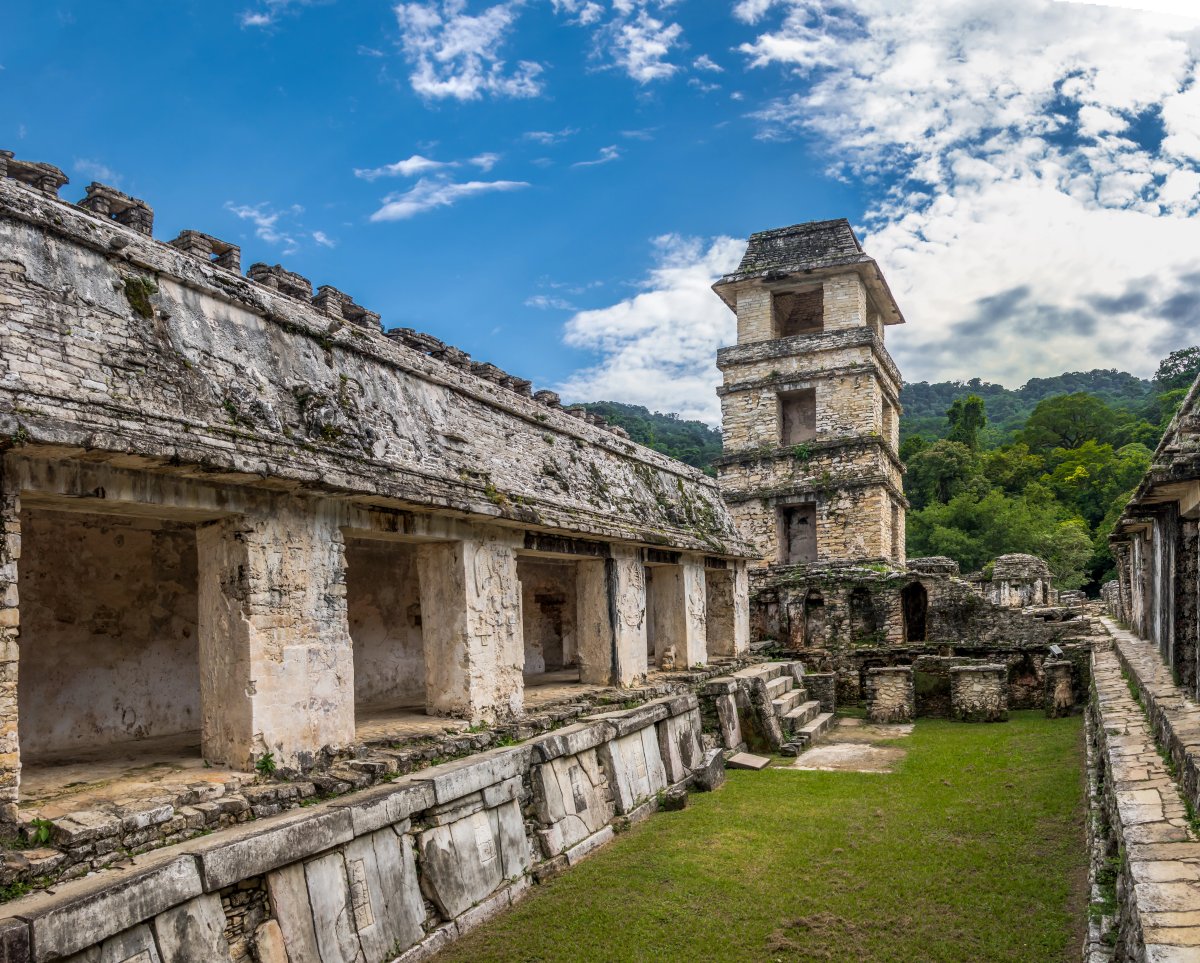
[(240, 514), (244, 521), (1019, 581)]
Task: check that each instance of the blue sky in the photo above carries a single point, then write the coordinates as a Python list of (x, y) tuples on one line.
[(552, 185)]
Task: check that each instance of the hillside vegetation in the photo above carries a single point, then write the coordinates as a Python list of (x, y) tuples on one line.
[(1045, 468)]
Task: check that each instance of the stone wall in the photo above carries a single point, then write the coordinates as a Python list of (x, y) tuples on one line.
[(155, 352), (395, 872), (979, 693), (1145, 883), (109, 639), (890, 694)]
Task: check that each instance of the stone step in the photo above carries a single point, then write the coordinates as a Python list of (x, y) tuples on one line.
[(779, 685), (812, 731), (801, 715), (787, 702), (768, 670)]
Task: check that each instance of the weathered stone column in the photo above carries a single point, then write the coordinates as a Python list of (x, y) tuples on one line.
[(695, 613), (612, 619), (471, 622), (10, 748), (276, 664), (1060, 692), (890, 694), (728, 615), (979, 693)]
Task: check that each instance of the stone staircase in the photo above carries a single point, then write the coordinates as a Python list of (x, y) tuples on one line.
[(798, 718)]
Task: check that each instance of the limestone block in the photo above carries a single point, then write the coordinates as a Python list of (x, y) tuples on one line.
[(464, 863), (979, 693), (288, 891), (386, 805), (728, 721), (274, 842), (193, 932), (269, 946), (14, 941), (570, 740), (64, 923), (135, 945), (710, 774), (385, 893), (635, 768), (679, 744), (625, 721), (573, 800), (453, 780), (333, 911)]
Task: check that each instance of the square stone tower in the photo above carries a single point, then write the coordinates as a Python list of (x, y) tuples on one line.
[(810, 402)]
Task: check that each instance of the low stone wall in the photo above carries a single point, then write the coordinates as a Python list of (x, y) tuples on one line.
[(890, 695), (392, 873), (88, 840), (979, 693), (1145, 883)]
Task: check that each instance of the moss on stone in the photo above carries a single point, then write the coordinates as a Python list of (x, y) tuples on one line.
[(138, 291)]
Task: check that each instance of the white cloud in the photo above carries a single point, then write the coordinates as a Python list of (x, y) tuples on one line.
[(607, 154), (658, 348), (550, 137), (320, 237), (457, 55), (1027, 213), (705, 62), (272, 225), (93, 168), (253, 18), (269, 12), (485, 162), (427, 194), (409, 167), (548, 302), (629, 36)]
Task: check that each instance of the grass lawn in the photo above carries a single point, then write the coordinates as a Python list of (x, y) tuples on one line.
[(973, 850)]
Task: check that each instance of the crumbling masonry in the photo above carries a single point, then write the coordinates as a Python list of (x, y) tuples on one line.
[(234, 506)]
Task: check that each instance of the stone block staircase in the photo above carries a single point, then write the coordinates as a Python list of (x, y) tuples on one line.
[(779, 694)]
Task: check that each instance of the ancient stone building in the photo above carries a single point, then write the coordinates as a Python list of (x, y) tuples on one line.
[(810, 402), (1157, 548), (235, 509)]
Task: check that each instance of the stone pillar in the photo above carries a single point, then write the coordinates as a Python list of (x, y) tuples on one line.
[(890, 694), (612, 619), (678, 610), (822, 687), (979, 693), (471, 620), (276, 664), (10, 748), (1060, 691), (741, 608)]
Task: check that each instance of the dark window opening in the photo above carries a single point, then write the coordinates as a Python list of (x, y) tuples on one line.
[(797, 416), (799, 313), (798, 534), (814, 619)]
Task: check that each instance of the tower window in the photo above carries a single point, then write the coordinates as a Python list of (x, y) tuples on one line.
[(797, 416), (798, 534), (798, 312)]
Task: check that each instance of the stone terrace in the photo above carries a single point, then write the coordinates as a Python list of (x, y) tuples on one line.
[(1156, 895)]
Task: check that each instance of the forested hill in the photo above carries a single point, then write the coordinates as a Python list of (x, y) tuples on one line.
[(692, 442), (925, 404)]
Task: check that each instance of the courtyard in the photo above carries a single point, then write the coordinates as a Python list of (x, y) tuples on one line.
[(969, 845)]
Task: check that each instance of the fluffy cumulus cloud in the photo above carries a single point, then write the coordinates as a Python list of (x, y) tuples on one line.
[(456, 54), (658, 348), (634, 36), (277, 226), (1033, 170)]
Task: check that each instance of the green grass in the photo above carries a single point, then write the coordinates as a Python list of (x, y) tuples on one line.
[(972, 850)]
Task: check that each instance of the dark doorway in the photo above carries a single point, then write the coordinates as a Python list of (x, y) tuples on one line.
[(915, 601)]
